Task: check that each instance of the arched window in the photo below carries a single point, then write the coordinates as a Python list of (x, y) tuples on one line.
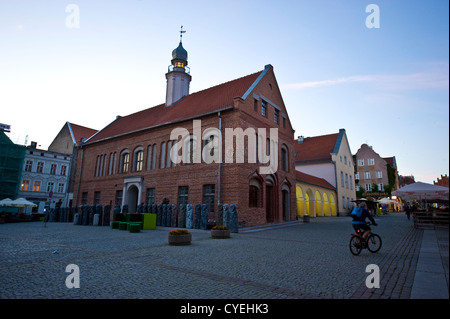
[(162, 161), (124, 161), (138, 159), (284, 158), (168, 152), (189, 147)]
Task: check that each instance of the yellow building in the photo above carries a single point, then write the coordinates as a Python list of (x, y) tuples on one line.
[(314, 196)]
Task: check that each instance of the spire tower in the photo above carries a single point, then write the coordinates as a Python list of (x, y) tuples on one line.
[(178, 77)]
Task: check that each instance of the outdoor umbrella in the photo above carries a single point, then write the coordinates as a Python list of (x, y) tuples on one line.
[(422, 191), (6, 202), (22, 202)]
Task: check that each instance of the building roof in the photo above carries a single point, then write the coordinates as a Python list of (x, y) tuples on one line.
[(208, 101), (310, 179), (79, 132), (316, 149)]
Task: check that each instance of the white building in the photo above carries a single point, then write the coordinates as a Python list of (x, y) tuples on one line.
[(45, 178), (329, 157)]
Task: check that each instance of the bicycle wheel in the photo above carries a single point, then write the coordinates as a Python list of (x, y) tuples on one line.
[(355, 245), (374, 243)]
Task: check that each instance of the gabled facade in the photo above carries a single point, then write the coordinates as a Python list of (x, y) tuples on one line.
[(198, 149), (372, 169), (329, 157)]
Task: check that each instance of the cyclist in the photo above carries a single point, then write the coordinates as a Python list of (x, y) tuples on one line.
[(359, 214)]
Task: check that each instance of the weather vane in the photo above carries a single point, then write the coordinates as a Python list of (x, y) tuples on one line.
[(181, 33)]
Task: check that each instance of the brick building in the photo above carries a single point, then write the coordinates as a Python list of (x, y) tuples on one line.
[(374, 169), (230, 144)]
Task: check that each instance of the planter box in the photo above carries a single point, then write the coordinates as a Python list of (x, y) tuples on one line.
[(178, 240), (220, 233)]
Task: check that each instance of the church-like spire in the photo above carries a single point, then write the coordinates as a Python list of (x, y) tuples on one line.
[(178, 77)]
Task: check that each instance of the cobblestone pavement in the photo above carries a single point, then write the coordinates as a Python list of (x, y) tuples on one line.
[(304, 260)]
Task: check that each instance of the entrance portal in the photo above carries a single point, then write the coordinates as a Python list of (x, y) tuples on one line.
[(132, 198)]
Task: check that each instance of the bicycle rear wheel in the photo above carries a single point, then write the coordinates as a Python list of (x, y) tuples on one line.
[(374, 243), (355, 245)]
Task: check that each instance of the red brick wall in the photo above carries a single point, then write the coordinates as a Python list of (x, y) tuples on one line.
[(234, 178)]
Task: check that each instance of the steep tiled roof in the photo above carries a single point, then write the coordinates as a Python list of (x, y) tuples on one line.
[(309, 179), (315, 149), (79, 132), (204, 102)]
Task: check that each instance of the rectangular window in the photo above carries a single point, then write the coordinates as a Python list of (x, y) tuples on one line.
[(370, 161), (277, 116), (28, 166), (379, 174), (380, 187), (368, 187), (342, 179), (119, 198), (346, 180), (357, 175), (25, 185), (208, 197), (53, 169), (84, 197), (263, 108), (183, 193), (63, 169), (361, 162), (60, 187), (96, 198), (40, 167), (150, 196), (50, 186), (366, 175), (36, 186)]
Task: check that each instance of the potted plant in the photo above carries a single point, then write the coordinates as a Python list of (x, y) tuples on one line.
[(220, 232), (180, 237)]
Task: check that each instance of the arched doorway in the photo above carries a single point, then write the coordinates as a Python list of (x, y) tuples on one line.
[(318, 206), (132, 198), (300, 201), (271, 200), (286, 204), (332, 205), (326, 205)]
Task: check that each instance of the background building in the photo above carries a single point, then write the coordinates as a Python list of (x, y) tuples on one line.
[(45, 177), (329, 157), (375, 173)]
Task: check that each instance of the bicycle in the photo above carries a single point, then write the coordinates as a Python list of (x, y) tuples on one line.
[(358, 243)]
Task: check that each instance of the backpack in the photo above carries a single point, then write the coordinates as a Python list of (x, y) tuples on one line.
[(356, 212)]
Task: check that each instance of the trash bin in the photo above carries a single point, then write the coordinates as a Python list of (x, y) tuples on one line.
[(306, 218)]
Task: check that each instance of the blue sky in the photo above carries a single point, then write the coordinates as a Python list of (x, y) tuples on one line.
[(387, 86)]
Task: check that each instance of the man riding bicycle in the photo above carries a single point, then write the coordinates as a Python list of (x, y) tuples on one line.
[(359, 214)]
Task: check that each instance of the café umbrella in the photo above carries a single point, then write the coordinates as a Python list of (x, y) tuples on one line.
[(422, 191), (22, 202)]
